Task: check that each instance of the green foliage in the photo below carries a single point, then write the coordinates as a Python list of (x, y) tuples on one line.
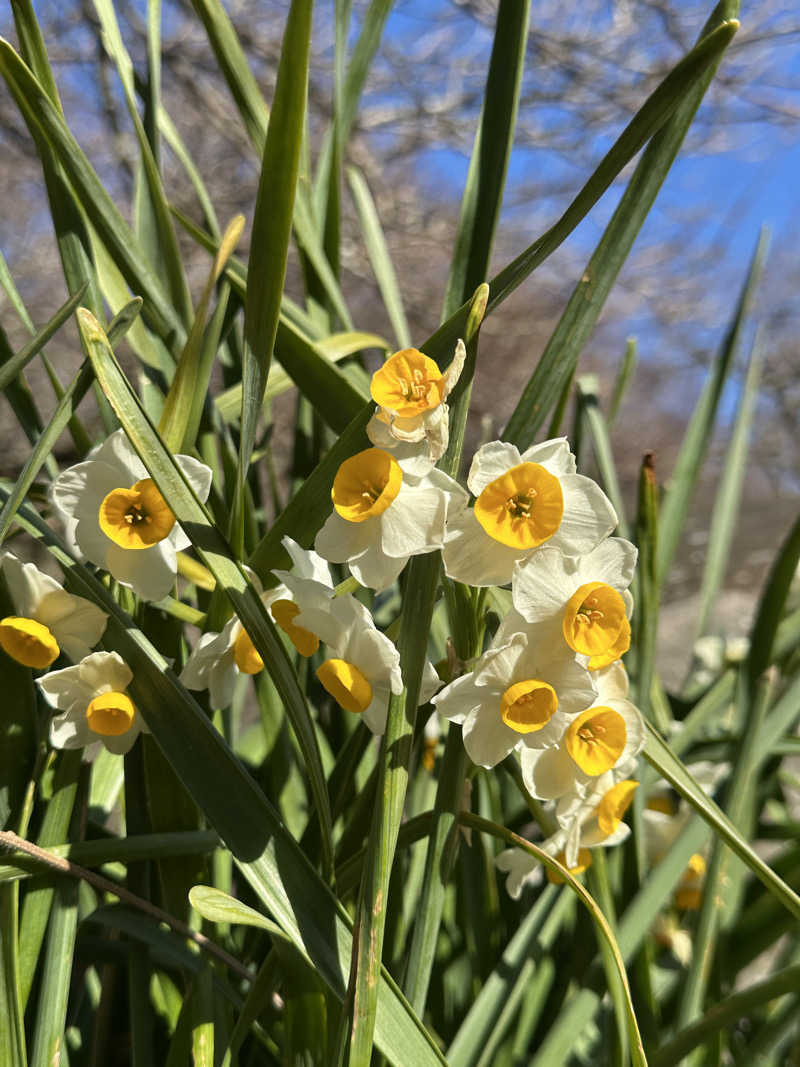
[(259, 883)]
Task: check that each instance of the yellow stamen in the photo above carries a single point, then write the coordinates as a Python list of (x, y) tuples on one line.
[(409, 383), (346, 684), (284, 612), (617, 650), (137, 517), (111, 714), (593, 618), (28, 642), (366, 484), (528, 706), (596, 739), (584, 861), (245, 655), (522, 508), (614, 804)]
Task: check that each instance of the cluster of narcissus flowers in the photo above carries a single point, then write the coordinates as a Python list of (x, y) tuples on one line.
[(550, 690)]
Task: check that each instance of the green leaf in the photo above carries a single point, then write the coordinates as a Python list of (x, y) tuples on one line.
[(45, 445), (51, 1012), (605, 934), (725, 513), (771, 604), (220, 907), (267, 855), (483, 192), (698, 434), (645, 623), (726, 1013), (215, 554), (665, 117), (12, 367), (379, 256), (233, 64), (623, 380), (44, 120), (183, 406), (601, 443), (658, 753), (12, 1026), (272, 223)]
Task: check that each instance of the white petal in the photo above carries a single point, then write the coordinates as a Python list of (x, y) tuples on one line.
[(457, 497), (471, 556), (612, 562), (522, 869), (340, 541), (27, 585), (206, 654), (104, 672), (222, 682), (64, 689), (458, 699), (490, 462), (487, 739), (543, 583), (199, 476), (430, 684), (611, 682), (307, 564), (414, 523), (150, 572), (118, 452), (455, 367), (75, 623), (375, 656), (68, 731), (548, 773), (328, 626), (376, 714), (588, 516), (122, 743), (375, 570), (554, 455)]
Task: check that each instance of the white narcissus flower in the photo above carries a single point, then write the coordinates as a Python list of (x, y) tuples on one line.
[(593, 818), (412, 418), (585, 598), (523, 501), (365, 668), (605, 737), (522, 694), (48, 619), (382, 517), (116, 517), (96, 707), (524, 869), (218, 659)]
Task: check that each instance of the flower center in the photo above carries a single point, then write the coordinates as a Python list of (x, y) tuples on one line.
[(409, 383), (522, 508), (615, 651), (584, 861), (366, 484), (528, 706), (137, 517), (28, 642), (614, 804), (284, 612), (245, 655), (596, 739), (346, 684), (111, 714), (593, 618)]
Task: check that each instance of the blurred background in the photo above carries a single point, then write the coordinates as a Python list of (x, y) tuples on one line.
[(589, 67)]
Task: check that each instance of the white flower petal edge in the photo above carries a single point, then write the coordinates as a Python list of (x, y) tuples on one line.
[(80, 490), (75, 622), (377, 549), (71, 691)]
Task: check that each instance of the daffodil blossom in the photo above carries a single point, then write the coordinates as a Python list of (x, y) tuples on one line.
[(585, 598), (94, 704), (48, 620), (523, 501), (382, 517), (605, 737), (218, 659), (364, 670), (116, 517), (524, 869), (412, 417), (522, 694)]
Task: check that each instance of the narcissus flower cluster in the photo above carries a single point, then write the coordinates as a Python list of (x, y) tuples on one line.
[(548, 691)]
